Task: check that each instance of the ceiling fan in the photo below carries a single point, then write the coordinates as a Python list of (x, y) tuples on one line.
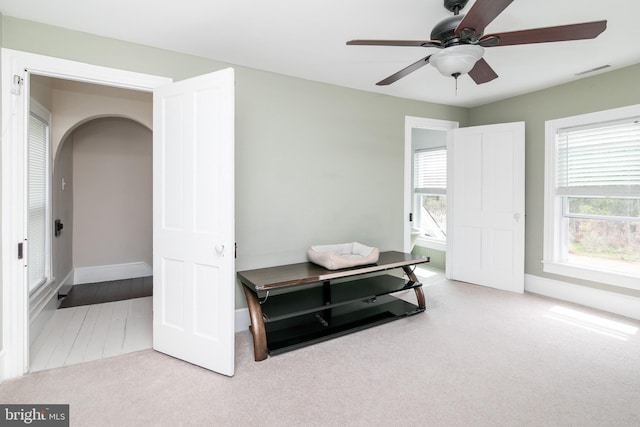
[(461, 40)]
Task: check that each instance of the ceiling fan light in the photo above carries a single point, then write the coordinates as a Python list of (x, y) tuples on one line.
[(456, 60)]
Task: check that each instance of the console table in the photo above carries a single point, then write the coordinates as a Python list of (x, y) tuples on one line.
[(291, 306)]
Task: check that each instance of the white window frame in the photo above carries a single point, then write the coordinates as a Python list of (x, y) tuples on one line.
[(425, 241), (553, 206)]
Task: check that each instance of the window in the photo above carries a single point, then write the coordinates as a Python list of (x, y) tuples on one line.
[(592, 197), (430, 192), (38, 216)]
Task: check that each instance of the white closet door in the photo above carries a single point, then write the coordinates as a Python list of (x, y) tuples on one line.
[(193, 221)]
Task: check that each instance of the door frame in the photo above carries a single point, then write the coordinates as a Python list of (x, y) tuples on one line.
[(411, 122), (14, 355)]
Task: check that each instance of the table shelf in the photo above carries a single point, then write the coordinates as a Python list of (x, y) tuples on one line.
[(296, 305), (299, 331), (310, 300)]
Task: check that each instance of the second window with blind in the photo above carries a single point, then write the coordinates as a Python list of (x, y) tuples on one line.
[(430, 193), (592, 197), (38, 198)]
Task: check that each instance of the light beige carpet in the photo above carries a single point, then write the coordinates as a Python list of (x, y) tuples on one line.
[(477, 357)]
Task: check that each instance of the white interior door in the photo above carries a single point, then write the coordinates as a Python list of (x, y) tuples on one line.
[(485, 212), (193, 221)]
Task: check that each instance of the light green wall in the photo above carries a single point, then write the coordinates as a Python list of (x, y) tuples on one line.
[(315, 163), (601, 92), (83, 47), (437, 259)]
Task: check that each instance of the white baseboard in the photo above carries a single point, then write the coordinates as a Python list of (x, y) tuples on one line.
[(68, 281), (45, 295), (242, 320), (105, 273), (623, 305)]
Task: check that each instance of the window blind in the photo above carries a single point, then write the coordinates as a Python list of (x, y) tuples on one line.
[(430, 171), (37, 201), (599, 160)]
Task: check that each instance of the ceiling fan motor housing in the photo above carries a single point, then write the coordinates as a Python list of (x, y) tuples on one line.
[(445, 30)]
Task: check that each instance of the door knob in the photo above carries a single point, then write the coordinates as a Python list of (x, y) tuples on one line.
[(220, 249)]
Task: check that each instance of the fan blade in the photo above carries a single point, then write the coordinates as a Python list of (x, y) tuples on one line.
[(404, 72), (419, 43), (481, 14), (482, 72), (586, 30)]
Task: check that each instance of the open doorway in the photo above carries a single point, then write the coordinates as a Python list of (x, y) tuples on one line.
[(426, 188), (101, 243), (193, 196)]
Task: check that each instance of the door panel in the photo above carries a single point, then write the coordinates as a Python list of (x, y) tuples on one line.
[(485, 238), (194, 270)]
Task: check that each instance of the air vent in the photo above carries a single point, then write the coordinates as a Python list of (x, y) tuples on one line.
[(593, 70)]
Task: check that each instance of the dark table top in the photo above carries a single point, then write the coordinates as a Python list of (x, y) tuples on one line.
[(282, 276)]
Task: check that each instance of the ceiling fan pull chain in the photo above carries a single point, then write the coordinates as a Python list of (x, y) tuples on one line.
[(455, 76)]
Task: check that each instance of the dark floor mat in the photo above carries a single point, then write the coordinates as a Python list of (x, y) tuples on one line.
[(117, 290)]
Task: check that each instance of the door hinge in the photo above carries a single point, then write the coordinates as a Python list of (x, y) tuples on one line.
[(20, 250), (411, 217), (17, 84)]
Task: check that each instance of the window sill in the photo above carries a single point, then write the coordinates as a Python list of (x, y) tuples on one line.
[(592, 274), (438, 245)]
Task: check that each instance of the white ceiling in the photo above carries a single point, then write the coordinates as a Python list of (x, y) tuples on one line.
[(307, 39)]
